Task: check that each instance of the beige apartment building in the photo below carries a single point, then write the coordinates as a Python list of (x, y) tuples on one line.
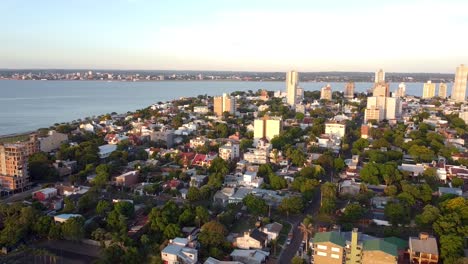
[(459, 86), (428, 90), (223, 104), (267, 128), (443, 90), (326, 93), (14, 163), (349, 90), (292, 86)]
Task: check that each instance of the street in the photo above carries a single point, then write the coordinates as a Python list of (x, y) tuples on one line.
[(290, 251)]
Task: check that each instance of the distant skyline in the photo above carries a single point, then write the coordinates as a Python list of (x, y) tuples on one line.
[(241, 35)]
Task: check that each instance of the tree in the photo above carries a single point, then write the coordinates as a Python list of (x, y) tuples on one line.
[(69, 205), (451, 248), (172, 231), (352, 213), (291, 205), (421, 153), (42, 226), (73, 229), (201, 215), (339, 164), (369, 173), (212, 234), (40, 168), (307, 230), (428, 216), (255, 205), (297, 260), (245, 144), (124, 208), (193, 194), (186, 218), (396, 213), (457, 182), (103, 207)]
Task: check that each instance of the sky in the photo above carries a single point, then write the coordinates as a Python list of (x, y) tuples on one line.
[(238, 35)]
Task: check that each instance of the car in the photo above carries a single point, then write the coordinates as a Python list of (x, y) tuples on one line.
[(288, 241)]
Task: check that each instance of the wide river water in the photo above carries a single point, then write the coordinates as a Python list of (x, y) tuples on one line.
[(29, 105)]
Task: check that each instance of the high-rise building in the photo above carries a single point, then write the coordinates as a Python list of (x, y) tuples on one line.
[(223, 104), (349, 90), (459, 86), (267, 127), (428, 90), (401, 91), (381, 89), (292, 85), (381, 107), (443, 90), (14, 163), (379, 76), (326, 93)]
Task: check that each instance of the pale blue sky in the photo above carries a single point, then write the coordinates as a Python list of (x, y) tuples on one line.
[(256, 35)]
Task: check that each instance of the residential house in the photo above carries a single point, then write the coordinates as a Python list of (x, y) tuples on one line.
[(272, 230), (423, 249), (106, 150), (250, 256), (450, 190), (127, 179), (44, 194), (254, 239), (178, 252)]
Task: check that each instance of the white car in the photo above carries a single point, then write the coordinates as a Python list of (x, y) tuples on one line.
[(288, 241)]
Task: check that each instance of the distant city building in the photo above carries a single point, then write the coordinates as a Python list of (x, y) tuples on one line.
[(379, 76), (336, 129), (381, 107), (428, 90), (14, 163), (326, 93), (53, 141), (223, 104), (401, 91), (267, 128), (443, 90), (349, 90), (459, 86), (294, 93), (381, 89)]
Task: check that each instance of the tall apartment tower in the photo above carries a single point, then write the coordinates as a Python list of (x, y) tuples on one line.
[(401, 91), (459, 86), (267, 127), (292, 88), (428, 90), (349, 90), (326, 93), (14, 163), (223, 104), (443, 90), (379, 76)]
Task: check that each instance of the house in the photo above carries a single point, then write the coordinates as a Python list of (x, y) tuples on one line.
[(65, 167), (198, 180), (127, 179), (229, 151), (449, 190), (250, 256), (114, 139), (378, 251), (272, 230), (44, 194), (423, 249), (62, 218), (178, 252), (212, 260), (67, 190), (253, 239), (328, 247), (106, 150)]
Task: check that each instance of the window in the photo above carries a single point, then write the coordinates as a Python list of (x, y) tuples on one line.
[(320, 253), (334, 249), (335, 256), (322, 247)]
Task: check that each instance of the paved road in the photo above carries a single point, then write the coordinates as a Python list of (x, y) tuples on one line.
[(290, 251)]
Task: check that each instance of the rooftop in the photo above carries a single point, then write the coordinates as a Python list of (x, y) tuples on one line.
[(332, 237), (381, 245)]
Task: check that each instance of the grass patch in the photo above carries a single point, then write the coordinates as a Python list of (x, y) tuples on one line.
[(14, 139)]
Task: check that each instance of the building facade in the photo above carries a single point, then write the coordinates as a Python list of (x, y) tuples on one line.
[(349, 90), (292, 85), (443, 90), (428, 90), (14, 163), (223, 104), (379, 76), (267, 128), (326, 93), (335, 129), (459, 86)]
